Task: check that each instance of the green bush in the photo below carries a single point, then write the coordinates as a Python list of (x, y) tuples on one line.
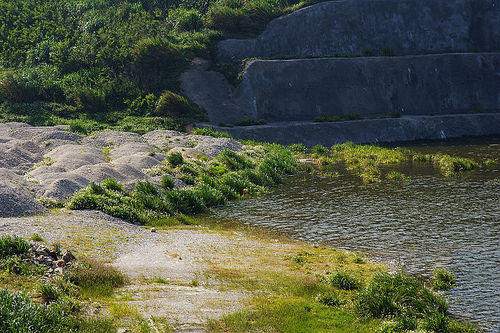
[(175, 159), (182, 19), (112, 185), (12, 245), (442, 280), (167, 182), (171, 104), (48, 292), (234, 161), (344, 280), (210, 132)]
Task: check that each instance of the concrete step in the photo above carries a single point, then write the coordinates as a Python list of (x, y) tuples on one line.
[(404, 129), (303, 89), (357, 27)]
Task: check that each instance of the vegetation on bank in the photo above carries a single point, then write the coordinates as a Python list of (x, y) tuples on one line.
[(97, 64), (229, 176), (32, 301), (316, 289), (211, 182)]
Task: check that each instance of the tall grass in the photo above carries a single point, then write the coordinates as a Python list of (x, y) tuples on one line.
[(95, 279), (389, 295)]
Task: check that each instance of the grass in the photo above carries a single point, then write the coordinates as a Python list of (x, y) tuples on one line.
[(95, 279), (368, 161), (227, 177), (344, 280), (12, 245), (443, 280), (104, 64), (61, 299)]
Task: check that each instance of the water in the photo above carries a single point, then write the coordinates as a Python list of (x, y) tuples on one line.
[(430, 222)]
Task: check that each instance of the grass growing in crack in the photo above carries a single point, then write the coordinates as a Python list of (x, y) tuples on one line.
[(36, 238)]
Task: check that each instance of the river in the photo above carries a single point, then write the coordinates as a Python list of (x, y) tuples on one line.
[(427, 223)]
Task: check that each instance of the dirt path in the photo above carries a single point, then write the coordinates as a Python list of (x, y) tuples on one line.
[(168, 270)]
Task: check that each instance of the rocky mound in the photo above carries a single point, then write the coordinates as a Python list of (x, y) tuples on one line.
[(52, 163)]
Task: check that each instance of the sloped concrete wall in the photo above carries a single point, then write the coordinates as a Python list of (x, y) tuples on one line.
[(355, 27), (372, 131), (302, 89)]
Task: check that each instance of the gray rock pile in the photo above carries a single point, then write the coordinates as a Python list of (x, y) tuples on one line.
[(56, 262), (52, 163)]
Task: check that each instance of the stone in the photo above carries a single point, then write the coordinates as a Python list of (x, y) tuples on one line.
[(67, 256), (60, 263), (153, 229)]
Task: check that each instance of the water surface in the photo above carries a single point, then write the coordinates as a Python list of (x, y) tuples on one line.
[(430, 222)]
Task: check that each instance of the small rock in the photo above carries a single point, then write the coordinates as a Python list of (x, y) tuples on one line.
[(67, 256), (153, 229), (60, 263)]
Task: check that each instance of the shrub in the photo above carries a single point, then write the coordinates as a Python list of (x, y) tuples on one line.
[(443, 280), (88, 100), (146, 188), (182, 19), (171, 104), (319, 150), (344, 280), (329, 299), (396, 294), (175, 159), (298, 148), (167, 182), (247, 121), (48, 292), (227, 19), (112, 185), (211, 197), (234, 161)]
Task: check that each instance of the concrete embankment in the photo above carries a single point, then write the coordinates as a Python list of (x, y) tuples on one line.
[(369, 27), (388, 130)]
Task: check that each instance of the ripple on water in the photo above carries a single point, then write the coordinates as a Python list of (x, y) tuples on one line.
[(427, 223)]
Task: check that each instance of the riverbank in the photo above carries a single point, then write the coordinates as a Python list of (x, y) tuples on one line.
[(211, 276), (195, 273)]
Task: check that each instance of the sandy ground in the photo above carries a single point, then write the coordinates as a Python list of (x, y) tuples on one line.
[(188, 295)]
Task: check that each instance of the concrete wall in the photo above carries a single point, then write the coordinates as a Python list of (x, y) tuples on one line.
[(372, 131), (295, 90), (356, 26)]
